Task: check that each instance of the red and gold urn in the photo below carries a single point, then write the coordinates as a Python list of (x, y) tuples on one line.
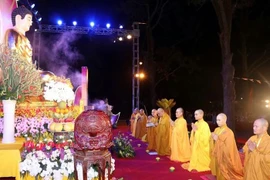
[(92, 131), (93, 138)]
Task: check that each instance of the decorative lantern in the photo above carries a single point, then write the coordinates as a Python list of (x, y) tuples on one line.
[(93, 138)]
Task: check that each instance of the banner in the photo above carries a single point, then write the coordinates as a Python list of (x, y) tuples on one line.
[(6, 8)]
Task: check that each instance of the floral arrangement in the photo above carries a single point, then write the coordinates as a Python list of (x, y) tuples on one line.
[(37, 128), (44, 158), (122, 146), (18, 77), (59, 89), (47, 160), (31, 112)]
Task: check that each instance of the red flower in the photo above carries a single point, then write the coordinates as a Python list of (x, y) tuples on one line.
[(29, 145), (40, 146), (51, 144)]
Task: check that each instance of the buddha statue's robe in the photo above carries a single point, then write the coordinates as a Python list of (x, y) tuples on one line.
[(225, 160), (180, 145), (151, 134), (200, 148), (19, 43), (141, 126), (163, 135), (257, 162)]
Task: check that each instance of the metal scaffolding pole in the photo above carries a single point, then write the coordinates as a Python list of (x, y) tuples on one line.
[(136, 68)]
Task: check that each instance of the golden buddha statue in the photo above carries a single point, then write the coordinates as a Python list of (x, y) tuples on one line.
[(15, 37)]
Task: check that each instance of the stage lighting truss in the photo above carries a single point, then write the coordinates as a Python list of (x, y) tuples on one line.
[(88, 30), (129, 34)]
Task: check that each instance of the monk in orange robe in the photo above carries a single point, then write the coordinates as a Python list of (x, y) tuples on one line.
[(180, 146), (200, 145), (141, 125), (257, 153), (152, 131), (163, 133), (225, 160)]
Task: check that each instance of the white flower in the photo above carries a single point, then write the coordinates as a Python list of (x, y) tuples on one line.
[(91, 173), (79, 171), (36, 163), (58, 91)]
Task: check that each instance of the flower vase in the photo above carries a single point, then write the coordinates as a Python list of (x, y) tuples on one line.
[(9, 120)]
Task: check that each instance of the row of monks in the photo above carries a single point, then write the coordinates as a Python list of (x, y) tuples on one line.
[(202, 150)]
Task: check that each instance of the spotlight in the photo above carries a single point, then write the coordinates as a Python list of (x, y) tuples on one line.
[(38, 17), (129, 36), (92, 24), (120, 39), (32, 6), (121, 27), (35, 12), (74, 23), (141, 63), (59, 22), (108, 25)]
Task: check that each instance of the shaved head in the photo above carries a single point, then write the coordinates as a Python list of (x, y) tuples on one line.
[(179, 112), (180, 109), (154, 112), (221, 119), (260, 126), (263, 122), (160, 112), (199, 111), (199, 114)]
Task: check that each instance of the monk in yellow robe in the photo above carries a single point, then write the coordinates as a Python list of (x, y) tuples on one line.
[(257, 153), (180, 146), (133, 120), (200, 145), (225, 160), (141, 125), (163, 133), (152, 131)]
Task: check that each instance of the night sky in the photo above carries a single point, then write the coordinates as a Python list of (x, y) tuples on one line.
[(192, 31)]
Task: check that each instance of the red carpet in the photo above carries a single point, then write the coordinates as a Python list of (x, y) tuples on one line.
[(145, 167)]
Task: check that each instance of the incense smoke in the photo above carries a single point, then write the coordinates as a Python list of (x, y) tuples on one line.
[(59, 54)]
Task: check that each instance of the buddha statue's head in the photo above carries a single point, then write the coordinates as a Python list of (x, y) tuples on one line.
[(21, 19)]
